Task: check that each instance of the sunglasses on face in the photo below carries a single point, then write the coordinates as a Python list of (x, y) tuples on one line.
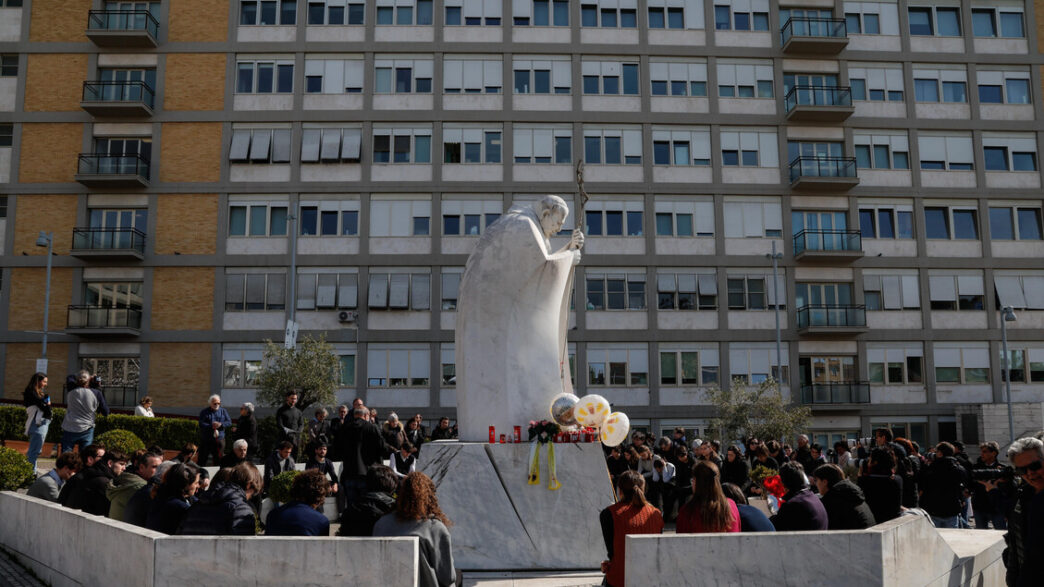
[(1034, 466)]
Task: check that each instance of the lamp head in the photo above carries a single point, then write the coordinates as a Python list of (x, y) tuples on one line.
[(43, 240), (1009, 313)]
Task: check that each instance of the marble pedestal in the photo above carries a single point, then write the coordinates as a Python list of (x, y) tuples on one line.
[(500, 522)]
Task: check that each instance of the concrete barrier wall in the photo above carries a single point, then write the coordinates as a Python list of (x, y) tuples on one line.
[(66, 547)]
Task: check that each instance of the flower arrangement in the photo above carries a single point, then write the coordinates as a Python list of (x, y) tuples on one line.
[(542, 431), (760, 473), (774, 486)]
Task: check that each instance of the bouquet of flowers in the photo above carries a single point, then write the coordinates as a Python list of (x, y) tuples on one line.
[(542, 431), (760, 473)]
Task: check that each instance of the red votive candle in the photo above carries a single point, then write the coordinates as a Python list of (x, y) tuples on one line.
[(492, 435), (518, 434)]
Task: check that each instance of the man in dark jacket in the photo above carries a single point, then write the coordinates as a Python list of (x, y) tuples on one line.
[(89, 494), (443, 430), (1024, 555), (342, 419), (213, 422), (843, 501), (225, 509), (246, 429), (290, 420), (942, 487), (361, 445), (803, 454), (991, 497), (801, 509), (280, 461), (360, 515)]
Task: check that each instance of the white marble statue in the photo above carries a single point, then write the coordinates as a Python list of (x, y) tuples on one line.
[(512, 318)]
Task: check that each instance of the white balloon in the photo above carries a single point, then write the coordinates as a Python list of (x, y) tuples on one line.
[(592, 410), (614, 429)]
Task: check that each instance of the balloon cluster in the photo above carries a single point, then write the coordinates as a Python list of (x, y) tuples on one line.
[(567, 411)]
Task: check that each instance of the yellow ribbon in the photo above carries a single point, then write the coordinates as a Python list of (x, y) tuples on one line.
[(534, 463), (552, 483)]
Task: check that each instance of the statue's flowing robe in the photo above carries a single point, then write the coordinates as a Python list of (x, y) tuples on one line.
[(512, 318)]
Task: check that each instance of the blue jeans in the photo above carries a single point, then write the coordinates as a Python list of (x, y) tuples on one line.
[(71, 439), (947, 522), (37, 435)]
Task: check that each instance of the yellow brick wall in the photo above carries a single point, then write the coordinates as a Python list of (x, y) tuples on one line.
[(59, 20), (20, 364), (49, 152), (182, 298), (50, 213), (187, 224), (191, 152), (27, 298), (195, 81), (199, 20), (179, 374), (54, 82)]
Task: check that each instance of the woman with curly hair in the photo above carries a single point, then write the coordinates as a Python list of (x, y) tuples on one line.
[(417, 513)]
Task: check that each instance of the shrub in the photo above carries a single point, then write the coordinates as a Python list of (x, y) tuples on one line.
[(279, 490), (15, 470), (124, 441), (169, 433)]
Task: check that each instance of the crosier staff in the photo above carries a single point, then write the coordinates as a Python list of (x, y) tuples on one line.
[(581, 214)]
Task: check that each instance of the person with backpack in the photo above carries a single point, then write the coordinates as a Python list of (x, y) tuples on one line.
[(942, 487)]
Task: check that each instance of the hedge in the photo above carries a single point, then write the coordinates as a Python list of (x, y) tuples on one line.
[(168, 433)]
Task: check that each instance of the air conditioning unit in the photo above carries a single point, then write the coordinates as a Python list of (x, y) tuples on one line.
[(346, 316)]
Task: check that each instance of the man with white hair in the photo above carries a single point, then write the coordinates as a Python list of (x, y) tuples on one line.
[(213, 421), (1024, 556)]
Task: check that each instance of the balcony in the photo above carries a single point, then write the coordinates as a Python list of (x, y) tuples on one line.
[(828, 245), (819, 103), (108, 243), (122, 28), (112, 171), (127, 98), (823, 173), (103, 320), (831, 319), (823, 36), (827, 394)]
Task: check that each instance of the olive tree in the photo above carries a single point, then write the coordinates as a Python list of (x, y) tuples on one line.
[(311, 369), (757, 410)]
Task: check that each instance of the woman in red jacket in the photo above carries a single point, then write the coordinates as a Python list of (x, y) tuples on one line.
[(631, 514)]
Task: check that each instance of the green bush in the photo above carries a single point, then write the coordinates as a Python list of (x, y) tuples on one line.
[(279, 490), (124, 441), (15, 470), (268, 435), (168, 433)]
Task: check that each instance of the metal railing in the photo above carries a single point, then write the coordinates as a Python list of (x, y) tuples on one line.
[(123, 20), (831, 315), (827, 240), (818, 96), (851, 392), (109, 239), (822, 167), (120, 395), (801, 26), (125, 91), (96, 164), (103, 317)]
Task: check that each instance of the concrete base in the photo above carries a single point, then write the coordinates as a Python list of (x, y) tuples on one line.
[(501, 523)]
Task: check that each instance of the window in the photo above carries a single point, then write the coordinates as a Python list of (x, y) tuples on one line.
[(398, 365), (876, 84), (747, 292), (472, 76), (260, 145), (872, 18), (118, 294), (404, 12), (447, 362), (962, 362), (609, 13), (939, 83), (956, 292), (686, 290), (617, 365), (684, 217), (330, 218), (265, 77), (8, 66), (1004, 87), (889, 291), (744, 79), (751, 217), (612, 146), (548, 75), (615, 291), (614, 217), (998, 22), (333, 76), (543, 145), (398, 290), (402, 76), (610, 78), (256, 219), (1017, 364), (886, 221), (327, 290), (267, 12), (754, 362), (246, 291), (346, 368), (1015, 223), (401, 145), (6, 135), (468, 217), (749, 148), (473, 12), (739, 15), (240, 367), (678, 78), (336, 12), (540, 12), (471, 145), (942, 21), (3, 206), (881, 151), (895, 363), (950, 223), (10, 3), (688, 365), (451, 286), (942, 152), (330, 145), (670, 14), (400, 217), (681, 146), (1020, 289), (1013, 152)]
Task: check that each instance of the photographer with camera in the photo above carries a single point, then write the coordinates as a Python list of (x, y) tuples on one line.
[(992, 488)]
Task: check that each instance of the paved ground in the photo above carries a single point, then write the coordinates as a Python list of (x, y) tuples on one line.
[(13, 575)]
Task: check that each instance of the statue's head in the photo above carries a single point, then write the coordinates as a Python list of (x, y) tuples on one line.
[(552, 212)]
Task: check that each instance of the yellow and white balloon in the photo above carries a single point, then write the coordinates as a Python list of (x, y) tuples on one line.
[(592, 410), (615, 428)]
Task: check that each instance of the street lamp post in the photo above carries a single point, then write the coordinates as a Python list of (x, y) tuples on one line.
[(46, 239), (290, 340), (775, 296), (1007, 315)]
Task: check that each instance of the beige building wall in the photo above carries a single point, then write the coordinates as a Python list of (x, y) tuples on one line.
[(49, 152), (54, 82), (191, 152), (55, 213), (195, 81), (198, 21), (25, 311), (59, 20), (180, 373), (183, 298), (186, 224), (20, 364)]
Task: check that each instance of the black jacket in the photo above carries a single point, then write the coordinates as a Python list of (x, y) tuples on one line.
[(737, 472), (361, 445), (847, 508), (137, 510), (221, 511), (274, 466), (1024, 555), (29, 399), (943, 484), (290, 422), (88, 493), (359, 516), (246, 429), (884, 495)]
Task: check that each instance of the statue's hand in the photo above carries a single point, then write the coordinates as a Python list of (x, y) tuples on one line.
[(577, 240), (576, 256)]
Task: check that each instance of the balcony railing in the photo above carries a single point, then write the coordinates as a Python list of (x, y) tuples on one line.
[(831, 316), (828, 241), (825, 28), (826, 167), (102, 318), (122, 26), (109, 240), (853, 392), (128, 92), (112, 170), (120, 396), (818, 96)]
